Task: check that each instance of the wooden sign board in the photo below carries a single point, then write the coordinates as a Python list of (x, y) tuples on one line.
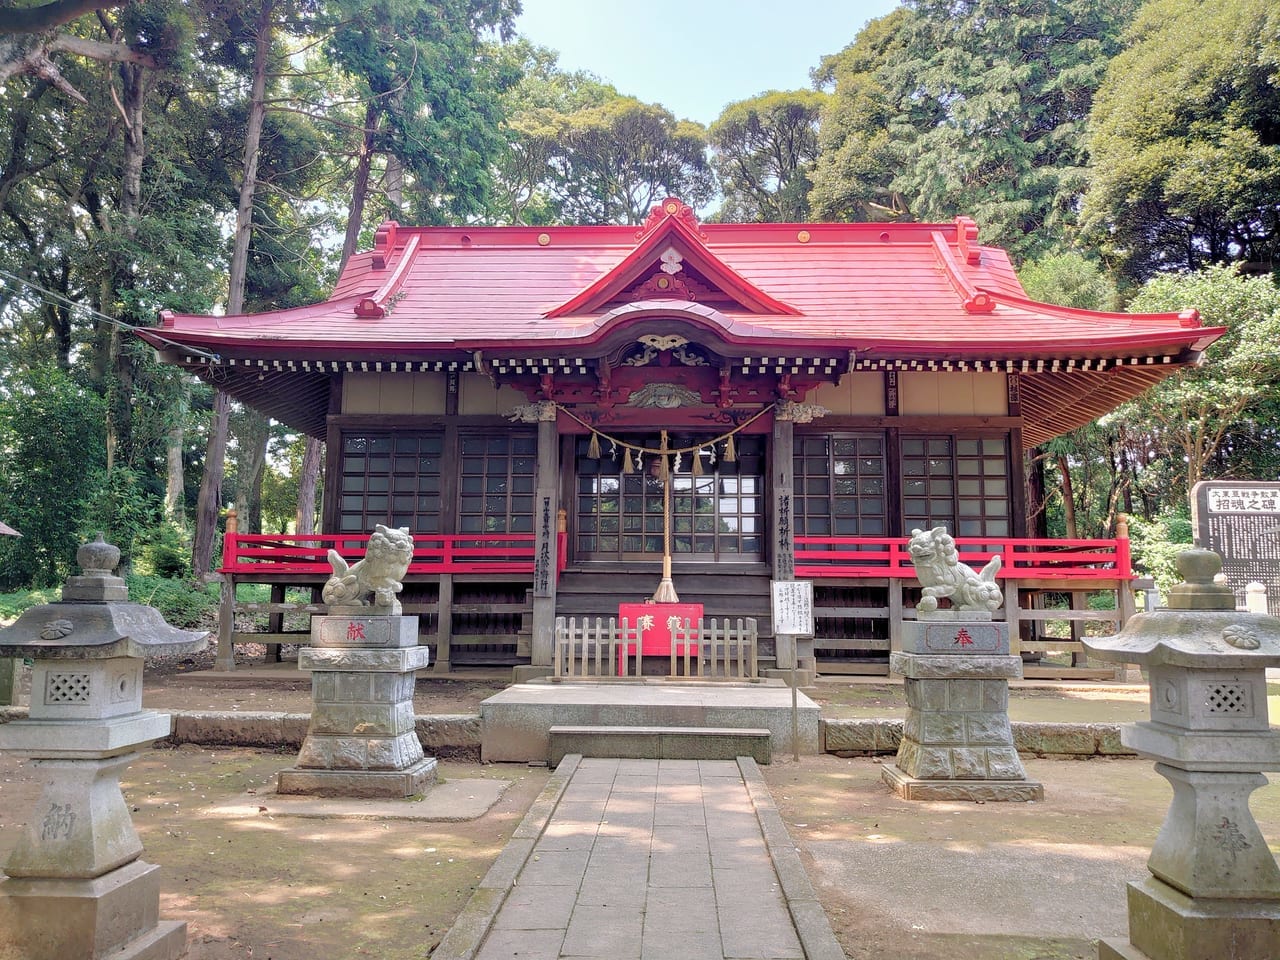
[(792, 607)]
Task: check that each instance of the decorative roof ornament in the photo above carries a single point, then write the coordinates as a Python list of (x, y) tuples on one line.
[(672, 262), (676, 209)]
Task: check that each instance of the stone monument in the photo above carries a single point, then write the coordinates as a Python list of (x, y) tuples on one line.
[(956, 743), (363, 654), (76, 889), (1214, 889)]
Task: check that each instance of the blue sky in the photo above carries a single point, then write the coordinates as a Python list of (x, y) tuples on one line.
[(696, 57)]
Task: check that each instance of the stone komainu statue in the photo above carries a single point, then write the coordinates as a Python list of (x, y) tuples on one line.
[(384, 565), (940, 572)]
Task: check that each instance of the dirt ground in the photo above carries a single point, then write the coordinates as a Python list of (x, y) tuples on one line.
[(898, 880)]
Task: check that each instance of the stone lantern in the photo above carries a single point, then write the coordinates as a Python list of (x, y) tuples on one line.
[(75, 887), (1215, 887)]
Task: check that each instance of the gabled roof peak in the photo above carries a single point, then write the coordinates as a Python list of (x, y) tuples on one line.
[(670, 251), (671, 208)]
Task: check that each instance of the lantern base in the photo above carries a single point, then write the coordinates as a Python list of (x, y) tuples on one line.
[(113, 915), (1166, 924)]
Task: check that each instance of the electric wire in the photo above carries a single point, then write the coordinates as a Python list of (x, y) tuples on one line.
[(123, 325)]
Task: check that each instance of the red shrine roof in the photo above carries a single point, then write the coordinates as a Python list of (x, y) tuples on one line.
[(880, 296)]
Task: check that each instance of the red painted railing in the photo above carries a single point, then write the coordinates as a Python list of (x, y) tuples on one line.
[(250, 553), (816, 557), (1024, 558)]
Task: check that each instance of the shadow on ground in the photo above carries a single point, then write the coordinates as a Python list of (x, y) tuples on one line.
[(900, 880)]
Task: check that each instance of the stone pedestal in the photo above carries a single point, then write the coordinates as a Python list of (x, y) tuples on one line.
[(956, 742), (1214, 889), (361, 741), (76, 889)]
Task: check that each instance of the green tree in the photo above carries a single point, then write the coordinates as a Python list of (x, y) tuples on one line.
[(522, 189), (52, 460), (853, 177), (764, 150), (428, 88), (1196, 421), (1079, 481), (613, 162), (1184, 139), (974, 107)]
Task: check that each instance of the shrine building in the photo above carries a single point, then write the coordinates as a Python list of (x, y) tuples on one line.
[(537, 404)]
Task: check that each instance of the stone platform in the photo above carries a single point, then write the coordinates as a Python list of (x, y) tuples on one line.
[(516, 723)]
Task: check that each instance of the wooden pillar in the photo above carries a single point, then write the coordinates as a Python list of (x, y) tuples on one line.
[(225, 657), (781, 519), (275, 623), (444, 623), (546, 507)]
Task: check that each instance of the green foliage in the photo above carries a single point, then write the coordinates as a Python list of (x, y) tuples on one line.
[(857, 158), (613, 162), (1155, 545), (1069, 279), (765, 148), (1184, 139), (51, 473), (429, 87), (1195, 417), (12, 604), (977, 108), (181, 603), (163, 551), (129, 503)]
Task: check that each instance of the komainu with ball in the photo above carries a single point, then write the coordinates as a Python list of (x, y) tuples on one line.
[(384, 565), (940, 572)]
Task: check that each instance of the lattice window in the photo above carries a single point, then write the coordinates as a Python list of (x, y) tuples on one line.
[(840, 486), (960, 482), (497, 476), (391, 479), (1227, 698), (67, 688), (718, 514)]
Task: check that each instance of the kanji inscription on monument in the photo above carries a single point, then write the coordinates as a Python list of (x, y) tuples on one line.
[(1240, 521)]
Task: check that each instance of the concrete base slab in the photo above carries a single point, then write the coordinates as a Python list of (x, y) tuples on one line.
[(1166, 924), (452, 801), (373, 784), (661, 743), (804, 678), (986, 791), (516, 722), (527, 673), (114, 915)]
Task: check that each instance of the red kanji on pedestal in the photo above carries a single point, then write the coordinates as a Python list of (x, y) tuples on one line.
[(355, 631), (963, 639)]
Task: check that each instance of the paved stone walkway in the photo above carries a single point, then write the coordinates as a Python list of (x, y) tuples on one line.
[(647, 860)]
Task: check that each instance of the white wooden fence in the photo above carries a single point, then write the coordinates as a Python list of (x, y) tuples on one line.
[(710, 649)]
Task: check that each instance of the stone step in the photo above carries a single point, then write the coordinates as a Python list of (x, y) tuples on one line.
[(660, 743)]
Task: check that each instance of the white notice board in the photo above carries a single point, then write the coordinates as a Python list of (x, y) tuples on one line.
[(792, 607)]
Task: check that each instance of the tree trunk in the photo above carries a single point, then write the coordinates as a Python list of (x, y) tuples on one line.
[(175, 487), (309, 474), (1068, 499), (120, 391), (210, 500), (360, 184), (214, 461), (251, 442), (1037, 489), (249, 174)]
